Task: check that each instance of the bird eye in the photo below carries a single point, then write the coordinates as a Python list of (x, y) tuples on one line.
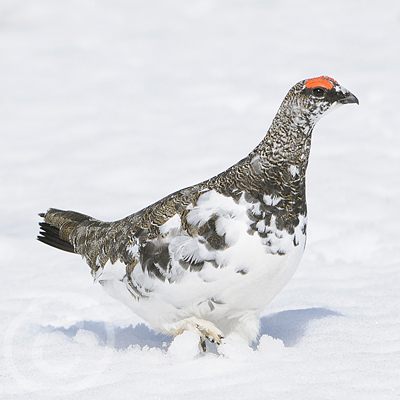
[(318, 92)]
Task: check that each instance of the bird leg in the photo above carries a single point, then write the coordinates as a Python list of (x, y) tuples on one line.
[(205, 330)]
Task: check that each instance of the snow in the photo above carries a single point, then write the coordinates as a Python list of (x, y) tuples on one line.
[(107, 106)]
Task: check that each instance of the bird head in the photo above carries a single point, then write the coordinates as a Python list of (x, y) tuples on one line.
[(288, 140), (310, 99)]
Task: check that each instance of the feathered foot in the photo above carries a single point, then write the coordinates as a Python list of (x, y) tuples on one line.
[(205, 330)]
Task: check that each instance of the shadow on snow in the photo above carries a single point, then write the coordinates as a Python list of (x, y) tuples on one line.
[(289, 326)]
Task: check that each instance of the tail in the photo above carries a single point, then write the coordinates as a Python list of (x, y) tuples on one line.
[(58, 225), (50, 235)]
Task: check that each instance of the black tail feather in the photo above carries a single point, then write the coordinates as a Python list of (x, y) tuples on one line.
[(50, 235)]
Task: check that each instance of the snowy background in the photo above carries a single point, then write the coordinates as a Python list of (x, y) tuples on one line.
[(108, 106)]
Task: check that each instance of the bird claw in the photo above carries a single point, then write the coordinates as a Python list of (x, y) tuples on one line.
[(203, 345), (205, 329), (211, 339)]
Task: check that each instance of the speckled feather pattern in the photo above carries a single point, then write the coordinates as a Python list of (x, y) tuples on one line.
[(219, 250)]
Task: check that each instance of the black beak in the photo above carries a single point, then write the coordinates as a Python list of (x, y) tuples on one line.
[(350, 98)]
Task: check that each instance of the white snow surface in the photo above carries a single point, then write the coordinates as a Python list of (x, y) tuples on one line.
[(108, 106)]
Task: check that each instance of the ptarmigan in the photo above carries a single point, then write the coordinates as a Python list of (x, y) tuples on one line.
[(211, 257)]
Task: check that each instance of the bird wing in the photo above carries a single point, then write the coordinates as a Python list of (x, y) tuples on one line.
[(134, 239)]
